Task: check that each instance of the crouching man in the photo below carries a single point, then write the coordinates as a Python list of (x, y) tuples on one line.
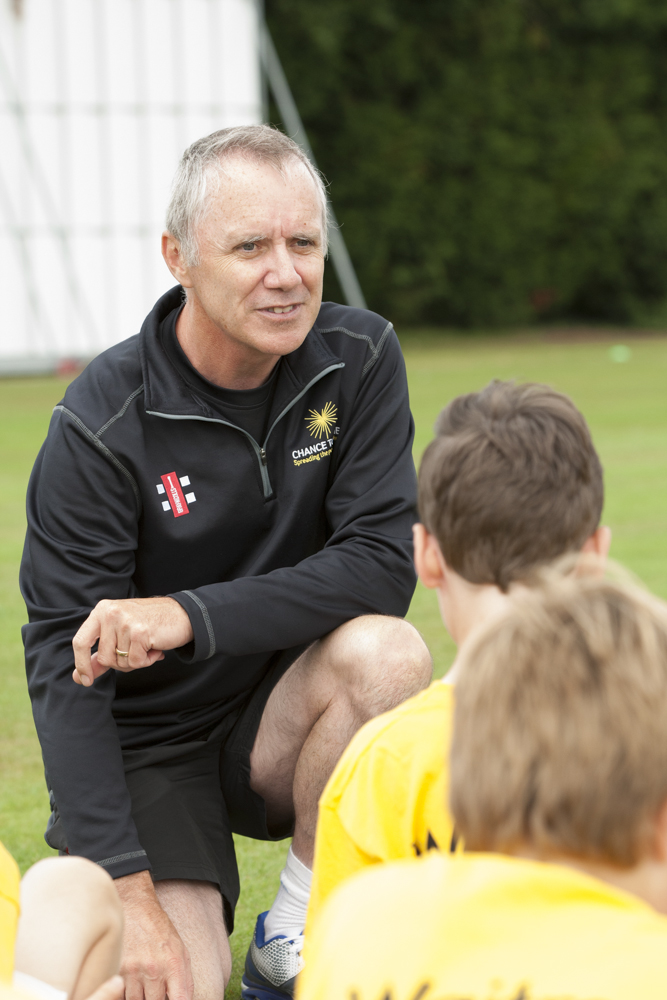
[(248, 455)]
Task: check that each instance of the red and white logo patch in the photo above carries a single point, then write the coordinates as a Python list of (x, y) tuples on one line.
[(176, 500)]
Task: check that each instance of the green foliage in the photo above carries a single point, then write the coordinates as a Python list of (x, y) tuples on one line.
[(492, 161)]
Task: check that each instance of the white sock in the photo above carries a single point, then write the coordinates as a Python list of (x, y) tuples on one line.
[(287, 916)]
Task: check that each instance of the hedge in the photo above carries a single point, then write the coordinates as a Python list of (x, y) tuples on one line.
[(491, 161)]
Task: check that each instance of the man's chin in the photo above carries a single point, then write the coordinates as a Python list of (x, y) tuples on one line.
[(282, 338)]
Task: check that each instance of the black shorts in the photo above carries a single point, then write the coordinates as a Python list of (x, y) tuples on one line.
[(188, 798)]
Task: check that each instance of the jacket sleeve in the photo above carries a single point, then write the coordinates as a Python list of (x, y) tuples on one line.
[(365, 566), (80, 545)]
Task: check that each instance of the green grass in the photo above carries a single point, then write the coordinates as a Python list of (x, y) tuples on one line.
[(625, 404)]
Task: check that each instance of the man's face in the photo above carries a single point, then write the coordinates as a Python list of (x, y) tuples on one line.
[(261, 253)]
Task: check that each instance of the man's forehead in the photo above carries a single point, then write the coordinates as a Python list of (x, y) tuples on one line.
[(247, 174), (252, 197)]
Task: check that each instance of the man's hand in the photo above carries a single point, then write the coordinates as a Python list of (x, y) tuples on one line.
[(155, 962), (140, 627)]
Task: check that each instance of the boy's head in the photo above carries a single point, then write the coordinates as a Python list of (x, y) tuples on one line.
[(560, 734), (511, 481)]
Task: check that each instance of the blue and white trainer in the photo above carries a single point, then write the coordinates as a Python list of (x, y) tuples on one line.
[(271, 967)]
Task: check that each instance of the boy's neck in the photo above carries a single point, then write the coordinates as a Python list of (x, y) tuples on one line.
[(465, 606), (647, 880)]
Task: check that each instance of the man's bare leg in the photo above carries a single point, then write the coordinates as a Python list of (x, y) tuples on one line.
[(70, 930), (184, 919), (364, 668), (195, 910)]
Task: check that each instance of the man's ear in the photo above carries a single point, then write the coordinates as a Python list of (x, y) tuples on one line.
[(171, 251), (429, 562), (599, 542)]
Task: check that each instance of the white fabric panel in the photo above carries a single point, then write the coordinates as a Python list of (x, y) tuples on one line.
[(98, 99)]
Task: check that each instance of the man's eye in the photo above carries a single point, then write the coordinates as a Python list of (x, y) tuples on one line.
[(249, 247), (303, 243)]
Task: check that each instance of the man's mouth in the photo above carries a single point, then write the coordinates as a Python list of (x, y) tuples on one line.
[(281, 309)]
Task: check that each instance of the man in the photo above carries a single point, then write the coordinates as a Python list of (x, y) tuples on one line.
[(559, 762), (511, 481), (247, 454)]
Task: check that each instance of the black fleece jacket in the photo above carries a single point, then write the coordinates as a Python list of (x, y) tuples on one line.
[(141, 489)]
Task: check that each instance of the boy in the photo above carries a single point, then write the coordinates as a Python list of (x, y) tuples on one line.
[(559, 760), (511, 481)]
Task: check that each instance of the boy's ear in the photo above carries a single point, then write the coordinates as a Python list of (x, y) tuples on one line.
[(428, 558), (599, 543)]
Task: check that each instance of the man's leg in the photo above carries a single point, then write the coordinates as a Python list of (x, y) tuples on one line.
[(175, 941), (70, 930), (364, 668), (175, 935), (195, 910)]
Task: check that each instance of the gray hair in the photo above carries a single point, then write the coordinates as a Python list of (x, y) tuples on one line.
[(202, 163)]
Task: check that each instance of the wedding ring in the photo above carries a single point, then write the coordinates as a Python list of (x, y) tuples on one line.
[(119, 652)]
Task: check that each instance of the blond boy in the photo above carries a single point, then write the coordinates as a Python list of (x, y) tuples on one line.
[(559, 761), (510, 482)]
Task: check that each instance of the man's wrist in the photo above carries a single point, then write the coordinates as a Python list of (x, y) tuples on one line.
[(136, 888), (203, 645)]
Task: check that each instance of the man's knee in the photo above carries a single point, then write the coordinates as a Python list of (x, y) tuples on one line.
[(380, 660)]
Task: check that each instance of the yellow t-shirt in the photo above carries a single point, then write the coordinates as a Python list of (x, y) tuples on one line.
[(9, 912), (484, 927), (387, 797)]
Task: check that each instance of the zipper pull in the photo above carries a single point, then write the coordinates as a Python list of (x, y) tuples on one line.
[(262, 455)]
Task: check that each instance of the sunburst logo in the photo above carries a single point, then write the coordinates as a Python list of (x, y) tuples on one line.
[(320, 424)]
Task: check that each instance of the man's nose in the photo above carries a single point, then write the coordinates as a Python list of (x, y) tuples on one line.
[(281, 272)]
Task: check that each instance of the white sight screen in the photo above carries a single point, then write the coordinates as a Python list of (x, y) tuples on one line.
[(98, 99)]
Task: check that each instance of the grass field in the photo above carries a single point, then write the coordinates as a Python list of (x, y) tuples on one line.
[(626, 406)]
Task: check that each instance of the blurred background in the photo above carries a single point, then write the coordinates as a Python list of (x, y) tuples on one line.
[(98, 99), (498, 170), (494, 161)]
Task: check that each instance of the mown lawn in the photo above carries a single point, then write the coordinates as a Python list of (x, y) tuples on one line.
[(626, 406)]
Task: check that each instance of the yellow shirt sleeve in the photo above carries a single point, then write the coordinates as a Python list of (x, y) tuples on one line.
[(386, 799), (342, 843), (9, 912)]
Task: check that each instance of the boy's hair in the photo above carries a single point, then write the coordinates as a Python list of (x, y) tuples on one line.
[(511, 480), (560, 733)]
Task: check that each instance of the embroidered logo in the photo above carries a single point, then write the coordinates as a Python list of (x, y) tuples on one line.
[(320, 424), (171, 485)]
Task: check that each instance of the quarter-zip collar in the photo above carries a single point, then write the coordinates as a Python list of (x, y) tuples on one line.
[(165, 391)]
